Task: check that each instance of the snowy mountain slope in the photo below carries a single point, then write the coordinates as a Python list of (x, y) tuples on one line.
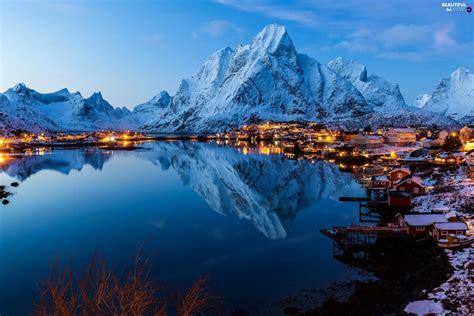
[(454, 96), (421, 100), (248, 186), (24, 108), (386, 104), (379, 94), (264, 80), (151, 109)]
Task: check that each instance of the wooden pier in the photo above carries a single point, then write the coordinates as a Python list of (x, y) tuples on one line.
[(360, 229), (353, 199)]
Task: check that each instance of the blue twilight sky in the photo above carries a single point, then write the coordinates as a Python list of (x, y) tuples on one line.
[(131, 50)]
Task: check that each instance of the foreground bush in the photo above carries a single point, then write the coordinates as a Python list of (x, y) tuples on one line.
[(100, 291)]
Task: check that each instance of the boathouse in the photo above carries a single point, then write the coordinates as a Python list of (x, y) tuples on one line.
[(399, 199)]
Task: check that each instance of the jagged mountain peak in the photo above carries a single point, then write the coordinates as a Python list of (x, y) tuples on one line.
[(348, 68), (460, 73), (272, 38), (264, 80), (380, 95), (454, 96), (20, 87)]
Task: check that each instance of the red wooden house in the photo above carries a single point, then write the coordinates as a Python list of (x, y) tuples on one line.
[(411, 184), (397, 174), (399, 199)]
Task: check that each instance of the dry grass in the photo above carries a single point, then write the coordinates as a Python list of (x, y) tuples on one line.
[(102, 292)]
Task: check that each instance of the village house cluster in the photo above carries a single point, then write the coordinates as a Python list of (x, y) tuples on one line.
[(43, 139)]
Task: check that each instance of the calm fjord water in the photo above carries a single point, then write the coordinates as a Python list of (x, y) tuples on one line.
[(249, 222)]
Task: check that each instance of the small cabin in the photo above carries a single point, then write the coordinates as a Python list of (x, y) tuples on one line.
[(442, 230), (379, 182), (418, 224)]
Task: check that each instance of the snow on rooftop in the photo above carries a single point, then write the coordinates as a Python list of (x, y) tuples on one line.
[(424, 219), (424, 307), (451, 226), (451, 214)]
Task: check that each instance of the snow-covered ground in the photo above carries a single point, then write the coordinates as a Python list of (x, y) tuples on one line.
[(456, 295), (455, 193)]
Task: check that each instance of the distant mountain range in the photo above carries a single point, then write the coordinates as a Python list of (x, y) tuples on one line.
[(264, 80)]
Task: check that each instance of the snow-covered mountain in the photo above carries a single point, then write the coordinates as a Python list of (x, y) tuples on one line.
[(264, 80), (266, 190), (379, 94), (151, 109), (454, 96), (24, 108)]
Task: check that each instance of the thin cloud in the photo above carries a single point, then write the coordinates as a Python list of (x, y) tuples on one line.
[(402, 41), (443, 37), (306, 17), (221, 27), (216, 28), (156, 39)]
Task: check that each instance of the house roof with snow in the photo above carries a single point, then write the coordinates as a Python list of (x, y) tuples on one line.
[(424, 219), (402, 169), (451, 226), (402, 130), (451, 214), (414, 179), (380, 178)]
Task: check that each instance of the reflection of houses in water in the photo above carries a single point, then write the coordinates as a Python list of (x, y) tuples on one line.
[(25, 165)]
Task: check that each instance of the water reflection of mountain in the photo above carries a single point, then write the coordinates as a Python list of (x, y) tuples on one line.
[(267, 190), (62, 161)]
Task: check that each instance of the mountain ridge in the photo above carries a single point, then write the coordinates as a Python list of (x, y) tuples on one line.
[(265, 80)]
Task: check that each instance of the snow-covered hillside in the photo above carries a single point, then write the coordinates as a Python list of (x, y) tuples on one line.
[(151, 109), (380, 95), (24, 108), (454, 96)]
